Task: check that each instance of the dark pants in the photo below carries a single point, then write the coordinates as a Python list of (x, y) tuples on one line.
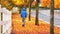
[(23, 21)]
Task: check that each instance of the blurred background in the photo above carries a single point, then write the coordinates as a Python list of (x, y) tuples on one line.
[(41, 8)]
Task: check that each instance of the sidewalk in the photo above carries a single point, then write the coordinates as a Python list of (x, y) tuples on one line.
[(30, 27)]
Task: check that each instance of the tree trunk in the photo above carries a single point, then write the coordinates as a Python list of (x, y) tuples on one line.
[(37, 9), (52, 17), (30, 10)]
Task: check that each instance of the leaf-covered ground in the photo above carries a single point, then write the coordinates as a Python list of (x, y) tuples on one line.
[(30, 27)]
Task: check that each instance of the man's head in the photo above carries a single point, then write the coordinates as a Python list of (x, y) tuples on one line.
[(24, 9)]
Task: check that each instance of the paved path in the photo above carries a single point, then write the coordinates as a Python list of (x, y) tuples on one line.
[(45, 15)]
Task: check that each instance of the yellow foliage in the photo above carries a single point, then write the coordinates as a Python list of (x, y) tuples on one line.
[(18, 2), (47, 3)]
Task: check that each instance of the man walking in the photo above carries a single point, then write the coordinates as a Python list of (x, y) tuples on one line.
[(23, 15)]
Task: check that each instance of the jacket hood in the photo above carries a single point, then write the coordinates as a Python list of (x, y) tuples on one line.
[(23, 9)]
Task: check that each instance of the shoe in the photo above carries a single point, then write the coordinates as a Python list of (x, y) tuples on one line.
[(23, 25)]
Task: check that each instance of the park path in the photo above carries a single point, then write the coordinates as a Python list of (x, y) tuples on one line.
[(30, 27)]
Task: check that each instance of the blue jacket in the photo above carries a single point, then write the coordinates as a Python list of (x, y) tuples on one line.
[(23, 13)]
